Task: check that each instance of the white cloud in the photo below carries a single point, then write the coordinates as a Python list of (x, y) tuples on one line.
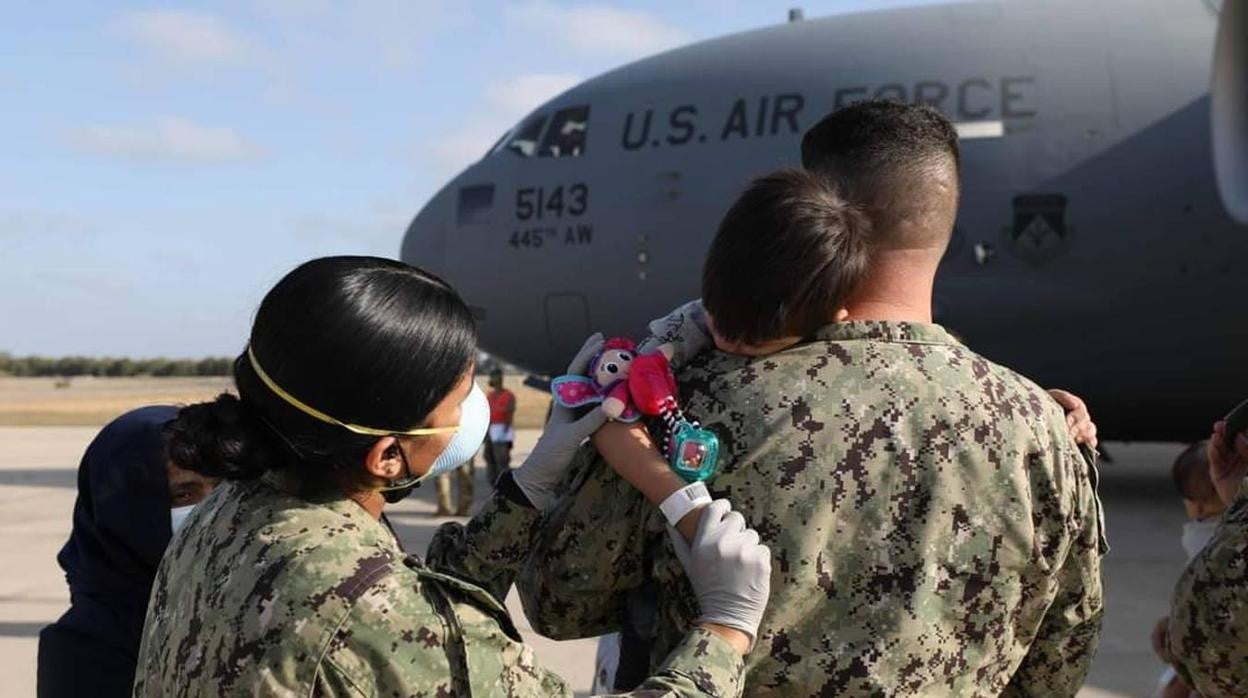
[(169, 139), (377, 230), (186, 36), (393, 34), (504, 103), (18, 223), (97, 283), (521, 94), (464, 145), (181, 261), (294, 9), (597, 30)]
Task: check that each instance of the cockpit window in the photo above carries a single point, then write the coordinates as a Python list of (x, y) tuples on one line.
[(566, 136), (524, 139), (498, 143)]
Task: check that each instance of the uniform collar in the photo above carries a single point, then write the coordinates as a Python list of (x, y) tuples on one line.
[(884, 331), (370, 530)]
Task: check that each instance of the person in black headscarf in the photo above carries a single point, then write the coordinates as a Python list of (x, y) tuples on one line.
[(131, 498)]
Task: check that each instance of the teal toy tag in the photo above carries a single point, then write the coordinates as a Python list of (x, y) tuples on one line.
[(694, 452)]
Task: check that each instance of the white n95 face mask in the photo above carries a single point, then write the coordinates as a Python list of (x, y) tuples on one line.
[(474, 421), (1197, 534), (177, 517)]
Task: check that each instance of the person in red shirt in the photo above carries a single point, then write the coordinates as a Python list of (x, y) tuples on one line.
[(501, 435)]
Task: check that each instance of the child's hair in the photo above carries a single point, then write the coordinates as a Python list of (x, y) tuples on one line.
[(1191, 474), (786, 256)]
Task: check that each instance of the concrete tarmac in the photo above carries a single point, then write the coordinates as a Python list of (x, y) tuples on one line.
[(38, 468)]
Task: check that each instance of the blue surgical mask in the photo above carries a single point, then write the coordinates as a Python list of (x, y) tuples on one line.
[(474, 421), (177, 517)]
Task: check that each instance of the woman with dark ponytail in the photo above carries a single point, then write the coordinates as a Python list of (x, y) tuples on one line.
[(355, 386)]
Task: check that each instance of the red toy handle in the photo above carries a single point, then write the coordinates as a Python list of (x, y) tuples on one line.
[(651, 383)]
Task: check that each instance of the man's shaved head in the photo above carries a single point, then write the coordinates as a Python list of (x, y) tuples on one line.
[(900, 162)]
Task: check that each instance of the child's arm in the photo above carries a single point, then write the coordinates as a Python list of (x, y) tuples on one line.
[(631, 452), (615, 402)]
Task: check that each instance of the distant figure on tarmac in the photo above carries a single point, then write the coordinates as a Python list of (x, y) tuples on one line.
[(465, 476), (502, 433), (131, 498)]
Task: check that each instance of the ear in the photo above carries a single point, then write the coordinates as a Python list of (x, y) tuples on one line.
[(841, 315), (383, 459), (717, 340)]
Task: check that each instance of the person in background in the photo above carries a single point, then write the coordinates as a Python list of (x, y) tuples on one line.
[(502, 434), (1204, 510), (464, 481), (131, 498), (1207, 638)]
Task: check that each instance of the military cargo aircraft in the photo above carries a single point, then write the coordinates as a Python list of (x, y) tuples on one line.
[(1102, 242)]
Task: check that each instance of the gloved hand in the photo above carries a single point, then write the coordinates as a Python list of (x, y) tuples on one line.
[(682, 334), (564, 433), (729, 569)]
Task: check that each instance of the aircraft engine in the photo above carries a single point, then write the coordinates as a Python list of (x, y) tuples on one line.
[(1230, 108)]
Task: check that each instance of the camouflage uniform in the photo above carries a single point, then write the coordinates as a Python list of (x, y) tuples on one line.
[(1208, 638), (265, 593), (935, 530)]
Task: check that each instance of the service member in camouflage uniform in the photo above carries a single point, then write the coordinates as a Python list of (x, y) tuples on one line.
[(288, 580), (1208, 634), (934, 527)]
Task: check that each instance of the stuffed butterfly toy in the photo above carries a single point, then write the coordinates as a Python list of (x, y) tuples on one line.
[(629, 385), (607, 382)]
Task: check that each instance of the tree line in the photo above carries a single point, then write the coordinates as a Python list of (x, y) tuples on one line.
[(73, 366)]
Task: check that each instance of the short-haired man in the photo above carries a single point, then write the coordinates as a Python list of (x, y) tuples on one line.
[(934, 527)]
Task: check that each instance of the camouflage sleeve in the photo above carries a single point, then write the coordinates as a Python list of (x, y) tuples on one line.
[(590, 552), (702, 665), (395, 643), (1208, 635), (490, 549), (1061, 654), (333, 682)]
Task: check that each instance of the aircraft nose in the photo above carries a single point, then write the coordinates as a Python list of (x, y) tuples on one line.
[(424, 244)]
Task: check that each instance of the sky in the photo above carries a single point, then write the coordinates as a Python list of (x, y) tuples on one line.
[(163, 165)]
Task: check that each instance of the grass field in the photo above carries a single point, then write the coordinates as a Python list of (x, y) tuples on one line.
[(94, 401)]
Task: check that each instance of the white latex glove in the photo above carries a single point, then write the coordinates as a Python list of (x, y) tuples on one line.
[(729, 569), (563, 435), (683, 331)]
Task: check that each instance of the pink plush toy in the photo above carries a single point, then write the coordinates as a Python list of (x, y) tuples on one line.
[(629, 386), (607, 382)]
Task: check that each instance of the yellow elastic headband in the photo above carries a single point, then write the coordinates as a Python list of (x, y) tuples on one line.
[(313, 412)]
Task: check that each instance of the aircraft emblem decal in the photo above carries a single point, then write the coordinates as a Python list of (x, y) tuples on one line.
[(1040, 232)]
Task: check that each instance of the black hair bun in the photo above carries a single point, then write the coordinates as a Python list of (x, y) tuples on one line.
[(222, 438)]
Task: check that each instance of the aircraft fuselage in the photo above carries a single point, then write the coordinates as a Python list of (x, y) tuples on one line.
[(1092, 250)]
